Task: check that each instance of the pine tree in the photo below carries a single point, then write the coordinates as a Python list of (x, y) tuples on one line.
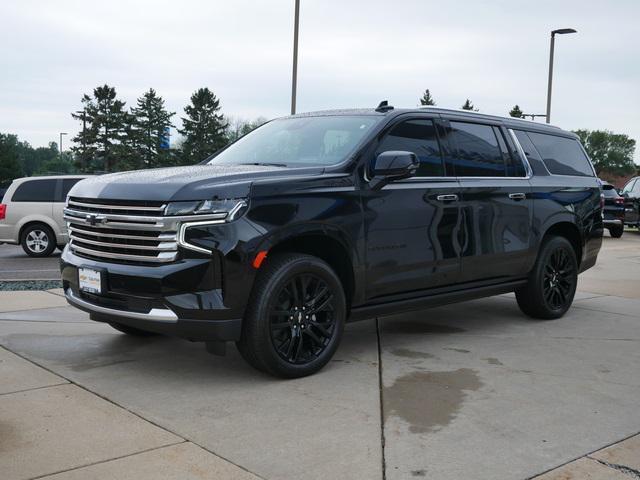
[(468, 105), (104, 120), (516, 112), (427, 99), (204, 129), (150, 119)]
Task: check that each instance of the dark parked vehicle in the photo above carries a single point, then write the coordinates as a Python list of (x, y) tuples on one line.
[(631, 194), (613, 214), (314, 220)]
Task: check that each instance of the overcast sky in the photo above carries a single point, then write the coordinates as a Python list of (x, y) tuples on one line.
[(353, 53)]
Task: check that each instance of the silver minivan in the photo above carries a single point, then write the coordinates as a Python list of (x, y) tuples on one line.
[(31, 213)]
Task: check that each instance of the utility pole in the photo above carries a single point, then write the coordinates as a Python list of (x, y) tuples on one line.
[(560, 31), (83, 156), (294, 79), (61, 134)]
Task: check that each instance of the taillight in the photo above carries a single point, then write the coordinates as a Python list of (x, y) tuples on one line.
[(3, 211)]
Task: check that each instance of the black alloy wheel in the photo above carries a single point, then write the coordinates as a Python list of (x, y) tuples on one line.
[(552, 282), (559, 279), (302, 319), (295, 316)]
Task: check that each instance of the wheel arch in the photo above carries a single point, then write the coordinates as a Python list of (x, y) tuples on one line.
[(326, 246), (570, 231), (29, 221)]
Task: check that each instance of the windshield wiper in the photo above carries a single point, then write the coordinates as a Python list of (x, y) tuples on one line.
[(266, 164)]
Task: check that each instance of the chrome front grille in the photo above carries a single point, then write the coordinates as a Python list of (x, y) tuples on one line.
[(121, 231)]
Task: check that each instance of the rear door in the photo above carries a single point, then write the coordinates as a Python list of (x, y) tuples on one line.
[(495, 205), (33, 198), (412, 225)]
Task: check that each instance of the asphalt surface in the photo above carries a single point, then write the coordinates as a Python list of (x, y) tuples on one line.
[(472, 390), (17, 265)]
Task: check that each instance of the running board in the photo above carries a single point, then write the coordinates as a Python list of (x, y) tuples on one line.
[(434, 300)]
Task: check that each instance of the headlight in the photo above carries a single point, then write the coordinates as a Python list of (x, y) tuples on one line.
[(231, 207)]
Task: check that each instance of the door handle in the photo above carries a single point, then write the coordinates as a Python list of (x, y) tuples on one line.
[(518, 196), (451, 197)]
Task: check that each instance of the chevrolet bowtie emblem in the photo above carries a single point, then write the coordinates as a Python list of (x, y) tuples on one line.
[(95, 219)]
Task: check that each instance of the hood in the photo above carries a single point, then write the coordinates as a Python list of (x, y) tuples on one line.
[(198, 182)]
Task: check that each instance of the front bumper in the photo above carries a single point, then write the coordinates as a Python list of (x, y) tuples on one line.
[(613, 222), (183, 299)]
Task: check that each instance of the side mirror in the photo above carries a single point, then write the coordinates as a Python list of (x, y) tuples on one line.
[(393, 165)]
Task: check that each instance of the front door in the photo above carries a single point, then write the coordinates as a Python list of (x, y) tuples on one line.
[(495, 204), (412, 226)]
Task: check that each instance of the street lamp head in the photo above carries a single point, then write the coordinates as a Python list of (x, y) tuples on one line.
[(562, 31)]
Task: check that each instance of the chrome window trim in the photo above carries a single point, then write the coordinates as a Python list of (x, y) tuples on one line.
[(521, 154), (183, 228), (155, 314)]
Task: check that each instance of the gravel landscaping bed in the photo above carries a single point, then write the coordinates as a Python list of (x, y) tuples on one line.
[(29, 285)]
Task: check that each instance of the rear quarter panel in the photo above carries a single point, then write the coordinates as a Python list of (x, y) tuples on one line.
[(575, 200)]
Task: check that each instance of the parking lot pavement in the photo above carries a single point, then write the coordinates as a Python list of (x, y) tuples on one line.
[(474, 390), (17, 265)]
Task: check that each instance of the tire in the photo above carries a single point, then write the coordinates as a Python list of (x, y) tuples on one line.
[(134, 332), (38, 240), (552, 282), (616, 232), (295, 317)]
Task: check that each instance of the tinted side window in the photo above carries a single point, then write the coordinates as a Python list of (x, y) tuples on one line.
[(609, 191), (67, 183), (419, 137), (35, 191), (629, 186), (562, 156), (476, 152)]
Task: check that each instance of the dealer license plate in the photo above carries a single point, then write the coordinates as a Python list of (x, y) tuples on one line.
[(90, 280)]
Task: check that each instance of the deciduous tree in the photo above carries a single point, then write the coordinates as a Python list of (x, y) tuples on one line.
[(10, 158), (609, 152)]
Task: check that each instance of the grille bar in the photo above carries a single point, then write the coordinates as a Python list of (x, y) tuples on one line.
[(166, 237), (160, 247), (97, 206), (121, 231), (163, 257)]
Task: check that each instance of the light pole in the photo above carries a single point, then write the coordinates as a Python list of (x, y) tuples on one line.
[(61, 134), (560, 31), (294, 79)]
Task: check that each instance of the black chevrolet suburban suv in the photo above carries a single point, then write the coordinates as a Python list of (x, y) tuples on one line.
[(318, 219)]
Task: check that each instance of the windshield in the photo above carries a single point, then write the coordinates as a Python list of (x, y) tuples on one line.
[(299, 141)]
